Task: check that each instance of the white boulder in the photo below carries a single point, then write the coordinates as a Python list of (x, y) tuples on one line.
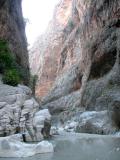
[(54, 130), (42, 123), (13, 147), (19, 113), (41, 116), (71, 126)]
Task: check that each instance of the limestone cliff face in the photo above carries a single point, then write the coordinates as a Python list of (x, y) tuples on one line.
[(75, 24), (20, 113), (85, 65), (45, 54), (12, 29)]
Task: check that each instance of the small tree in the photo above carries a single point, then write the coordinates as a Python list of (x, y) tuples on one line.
[(6, 58), (33, 81), (11, 77)]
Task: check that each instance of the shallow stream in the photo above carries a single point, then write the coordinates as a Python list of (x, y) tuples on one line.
[(70, 146)]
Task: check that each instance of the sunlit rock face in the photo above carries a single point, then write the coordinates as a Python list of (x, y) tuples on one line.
[(12, 29), (45, 53), (83, 70)]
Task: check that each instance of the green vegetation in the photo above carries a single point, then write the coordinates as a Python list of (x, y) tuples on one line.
[(12, 72), (6, 60), (33, 81), (71, 24), (11, 77)]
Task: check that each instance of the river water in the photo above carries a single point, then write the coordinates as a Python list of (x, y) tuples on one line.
[(81, 147)]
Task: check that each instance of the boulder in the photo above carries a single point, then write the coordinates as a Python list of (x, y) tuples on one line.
[(12, 147), (42, 122), (71, 126), (95, 122), (19, 113), (54, 130)]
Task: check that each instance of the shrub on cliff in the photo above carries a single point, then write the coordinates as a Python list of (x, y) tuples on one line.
[(70, 26), (24, 74), (33, 81), (6, 60), (11, 77), (12, 72)]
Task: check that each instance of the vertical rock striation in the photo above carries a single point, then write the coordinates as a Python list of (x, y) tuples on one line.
[(45, 53), (12, 29), (87, 72), (20, 113)]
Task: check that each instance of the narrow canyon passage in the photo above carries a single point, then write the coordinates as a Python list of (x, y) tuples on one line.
[(60, 95)]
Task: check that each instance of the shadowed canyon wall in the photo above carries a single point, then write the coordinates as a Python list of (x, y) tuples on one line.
[(12, 29), (78, 57)]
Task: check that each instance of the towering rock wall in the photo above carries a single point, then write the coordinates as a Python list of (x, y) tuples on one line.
[(45, 54), (12, 29), (88, 60), (19, 111)]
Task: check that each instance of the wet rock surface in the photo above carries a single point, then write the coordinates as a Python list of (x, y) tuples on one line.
[(12, 146)]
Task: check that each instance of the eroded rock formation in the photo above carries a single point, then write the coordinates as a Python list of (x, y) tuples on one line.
[(83, 72), (20, 113)]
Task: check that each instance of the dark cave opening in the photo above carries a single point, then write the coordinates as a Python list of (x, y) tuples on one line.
[(103, 65)]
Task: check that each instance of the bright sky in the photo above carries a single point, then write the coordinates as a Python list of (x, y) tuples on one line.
[(39, 13)]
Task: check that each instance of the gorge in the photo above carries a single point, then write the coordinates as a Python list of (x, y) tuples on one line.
[(78, 63), (77, 92)]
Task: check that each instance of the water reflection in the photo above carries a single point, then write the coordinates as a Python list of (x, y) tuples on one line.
[(84, 147)]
